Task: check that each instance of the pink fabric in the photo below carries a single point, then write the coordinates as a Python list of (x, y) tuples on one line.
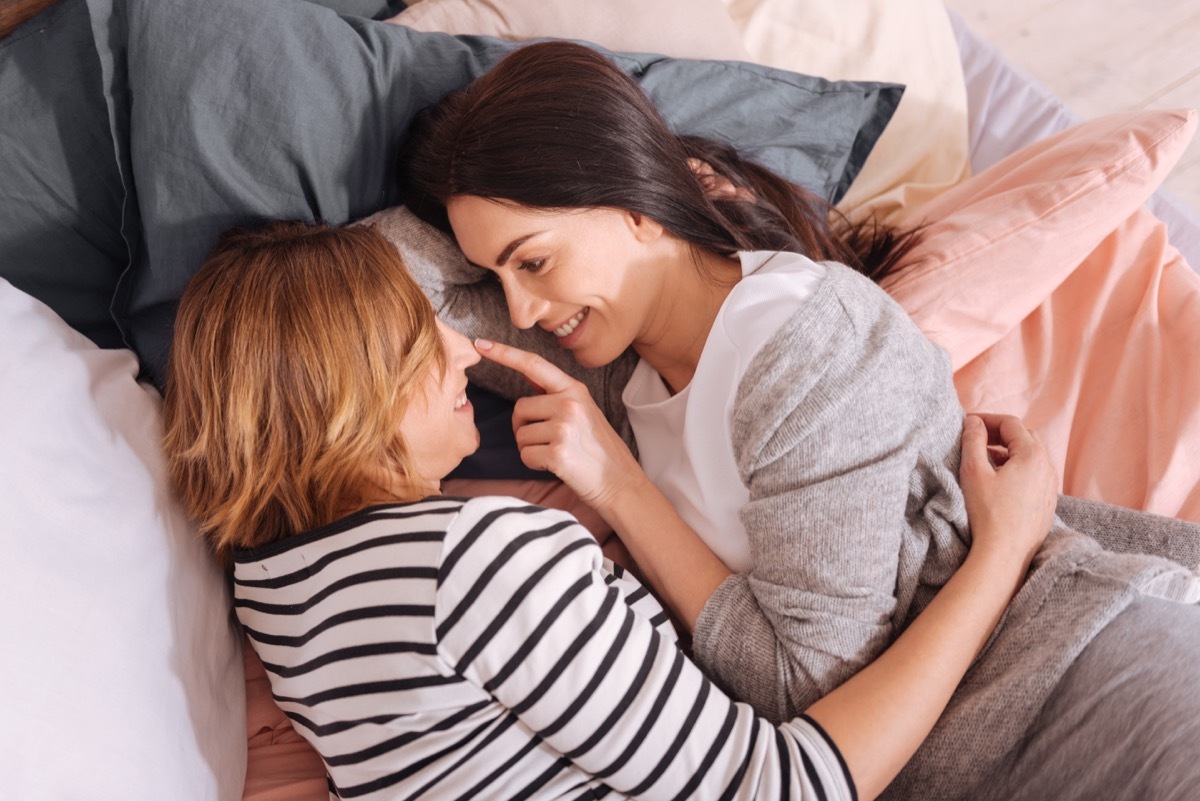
[(282, 766), (1107, 369), (1060, 300), (999, 243)]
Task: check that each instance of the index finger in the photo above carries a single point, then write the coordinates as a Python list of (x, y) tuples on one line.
[(537, 370)]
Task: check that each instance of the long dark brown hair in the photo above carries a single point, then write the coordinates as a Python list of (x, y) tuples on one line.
[(558, 125)]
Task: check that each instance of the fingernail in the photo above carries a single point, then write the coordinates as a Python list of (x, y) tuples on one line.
[(483, 344)]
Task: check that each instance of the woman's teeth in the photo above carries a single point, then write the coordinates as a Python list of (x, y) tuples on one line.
[(461, 401), (570, 325)]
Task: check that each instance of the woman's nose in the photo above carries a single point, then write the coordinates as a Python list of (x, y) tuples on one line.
[(460, 350), (465, 354), (524, 307)]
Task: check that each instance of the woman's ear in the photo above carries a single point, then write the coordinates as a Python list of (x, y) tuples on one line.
[(643, 228)]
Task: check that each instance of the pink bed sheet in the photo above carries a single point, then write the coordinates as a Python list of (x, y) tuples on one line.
[(1107, 369), (1059, 298), (282, 766)]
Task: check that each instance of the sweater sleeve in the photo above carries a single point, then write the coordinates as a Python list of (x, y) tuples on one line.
[(470, 301), (526, 611), (845, 431)]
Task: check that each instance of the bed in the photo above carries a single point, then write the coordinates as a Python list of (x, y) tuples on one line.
[(1054, 270)]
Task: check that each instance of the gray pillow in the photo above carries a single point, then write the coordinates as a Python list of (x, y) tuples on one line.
[(232, 110), (60, 189)]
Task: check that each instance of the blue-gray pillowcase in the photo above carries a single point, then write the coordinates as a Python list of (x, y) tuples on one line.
[(231, 110), (60, 188)]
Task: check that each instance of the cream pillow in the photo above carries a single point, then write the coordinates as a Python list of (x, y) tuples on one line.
[(925, 148), (676, 28)]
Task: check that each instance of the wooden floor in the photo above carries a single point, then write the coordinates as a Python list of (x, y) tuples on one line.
[(1102, 56)]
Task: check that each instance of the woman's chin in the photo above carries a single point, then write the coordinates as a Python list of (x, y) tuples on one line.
[(586, 357)]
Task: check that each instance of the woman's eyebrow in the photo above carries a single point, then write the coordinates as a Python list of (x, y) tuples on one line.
[(513, 245)]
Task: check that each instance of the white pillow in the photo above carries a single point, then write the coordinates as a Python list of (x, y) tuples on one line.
[(122, 675)]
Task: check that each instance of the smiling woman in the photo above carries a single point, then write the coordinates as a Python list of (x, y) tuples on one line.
[(795, 498), (314, 403), (545, 261), (438, 428), (292, 383)]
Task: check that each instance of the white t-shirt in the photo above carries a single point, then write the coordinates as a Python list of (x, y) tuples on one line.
[(684, 440)]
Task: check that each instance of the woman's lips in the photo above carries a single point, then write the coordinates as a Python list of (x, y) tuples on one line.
[(569, 332)]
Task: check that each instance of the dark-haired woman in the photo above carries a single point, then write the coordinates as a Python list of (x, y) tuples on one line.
[(440, 647), (791, 423)]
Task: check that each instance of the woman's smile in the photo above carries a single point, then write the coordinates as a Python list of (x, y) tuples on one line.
[(569, 333)]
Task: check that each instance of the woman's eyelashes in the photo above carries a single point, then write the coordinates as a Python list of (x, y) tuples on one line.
[(531, 265)]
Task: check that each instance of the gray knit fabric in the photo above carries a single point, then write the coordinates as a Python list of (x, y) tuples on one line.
[(1123, 724), (1127, 531), (847, 433)]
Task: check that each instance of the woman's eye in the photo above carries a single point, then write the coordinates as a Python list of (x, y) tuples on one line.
[(531, 265)]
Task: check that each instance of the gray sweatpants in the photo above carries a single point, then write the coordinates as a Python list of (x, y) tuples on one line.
[(1124, 723)]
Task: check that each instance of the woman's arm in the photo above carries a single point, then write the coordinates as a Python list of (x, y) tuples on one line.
[(595, 680), (525, 611), (828, 515), (563, 431), (1011, 509)]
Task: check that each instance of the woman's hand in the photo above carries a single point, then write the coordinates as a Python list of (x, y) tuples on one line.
[(880, 716), (563, 431), (1009, 486)]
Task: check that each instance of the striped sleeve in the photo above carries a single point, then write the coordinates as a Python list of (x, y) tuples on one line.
[(524, 611)]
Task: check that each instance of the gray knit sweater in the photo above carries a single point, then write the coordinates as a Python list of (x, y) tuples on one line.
[(846, 432)]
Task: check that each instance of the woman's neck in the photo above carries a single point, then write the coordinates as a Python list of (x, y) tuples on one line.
[(694, 286), (397, 490)]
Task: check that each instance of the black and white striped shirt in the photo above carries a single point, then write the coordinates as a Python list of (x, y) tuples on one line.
[(483, 648)]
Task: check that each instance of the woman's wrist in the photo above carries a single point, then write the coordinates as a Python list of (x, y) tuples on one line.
[(1004, 552), (880, 716), (681, 569)]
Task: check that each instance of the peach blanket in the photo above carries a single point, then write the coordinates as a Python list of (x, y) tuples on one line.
[(1060, 300), (1106, 369)]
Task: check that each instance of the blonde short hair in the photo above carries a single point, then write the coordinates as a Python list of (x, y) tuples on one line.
[(296, 350)]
